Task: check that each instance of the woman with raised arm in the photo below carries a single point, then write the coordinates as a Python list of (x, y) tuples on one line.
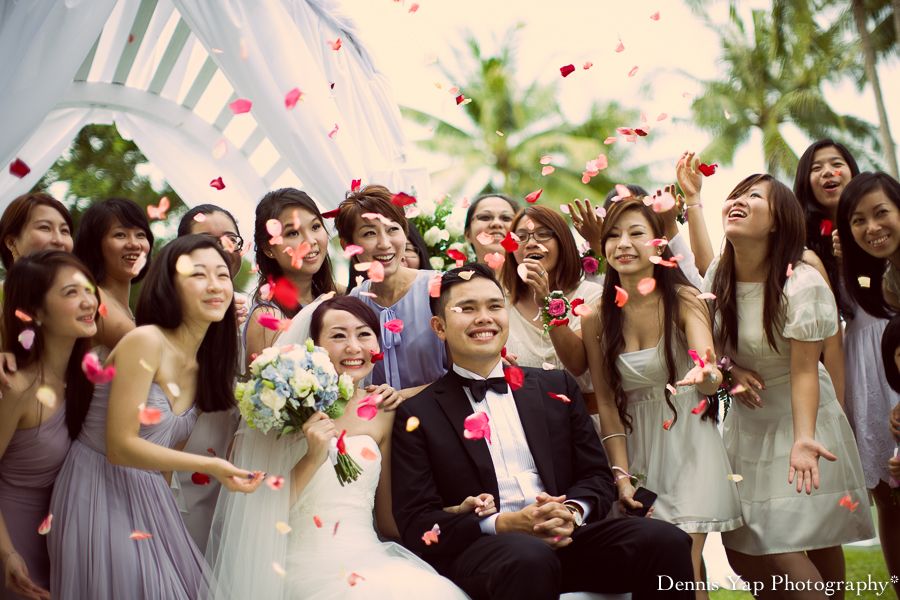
[(413, 355), (114, 242), (824, 171), (51, 301), (638, 342), (330, 544), (117, 532), (772, 314), (287, 221), (488, 220), (547, 261)]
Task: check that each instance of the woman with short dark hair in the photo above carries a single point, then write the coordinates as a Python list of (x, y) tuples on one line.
[(114, 241), (34, 222), (489, 216)]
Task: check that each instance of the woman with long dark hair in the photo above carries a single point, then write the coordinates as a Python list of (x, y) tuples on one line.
[(114, 242), (117, 532), (48, 321), (772, 314), (546, 261), (34, 222), (637, 343), (299, 228)]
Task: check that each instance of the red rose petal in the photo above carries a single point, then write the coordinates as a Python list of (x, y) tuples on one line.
[(200, 479), (240, 106), (19, 168), (707, 170), (567, 70), (217, 183), (533, 196), (514, 377)]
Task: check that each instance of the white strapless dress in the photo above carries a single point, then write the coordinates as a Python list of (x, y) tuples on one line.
[(343, 557)]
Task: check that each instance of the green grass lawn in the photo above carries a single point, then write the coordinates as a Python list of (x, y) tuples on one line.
[(861, 562)]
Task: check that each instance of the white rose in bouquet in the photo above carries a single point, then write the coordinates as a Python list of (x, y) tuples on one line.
[(264, 358), (272, 399), (436, 262), (323, 361), (456, 222), (435, 235), (304, 384)]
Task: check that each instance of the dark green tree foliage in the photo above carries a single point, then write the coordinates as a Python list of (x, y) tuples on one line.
[(532, 125)]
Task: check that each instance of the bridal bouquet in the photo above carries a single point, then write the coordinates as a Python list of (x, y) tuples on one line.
[(287, 386)]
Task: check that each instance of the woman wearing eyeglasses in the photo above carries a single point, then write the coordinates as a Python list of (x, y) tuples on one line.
[(547, 260)]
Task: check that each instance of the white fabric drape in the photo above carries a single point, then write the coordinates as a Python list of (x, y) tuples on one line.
[(42, 45), (287, 47)]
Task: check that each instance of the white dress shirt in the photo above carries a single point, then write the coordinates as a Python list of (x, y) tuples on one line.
[(517, 477)]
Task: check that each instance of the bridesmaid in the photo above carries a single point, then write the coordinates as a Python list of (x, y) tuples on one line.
[(550, 260), (117, 532), (772, 314), (214, 430), (34, 222), (415, 257), (113, 240), (415, 357), (59, 296), (314, 277), (489, 214), (637, 351)]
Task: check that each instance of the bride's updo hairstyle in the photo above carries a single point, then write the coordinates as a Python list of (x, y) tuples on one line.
[(354, 306)]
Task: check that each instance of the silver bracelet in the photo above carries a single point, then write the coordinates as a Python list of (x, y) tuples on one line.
[(10, 553), (612, 435)]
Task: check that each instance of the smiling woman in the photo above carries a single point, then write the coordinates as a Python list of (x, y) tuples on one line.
[(114, 242)]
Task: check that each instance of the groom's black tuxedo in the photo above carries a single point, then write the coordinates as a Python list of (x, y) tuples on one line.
[(435, 466)]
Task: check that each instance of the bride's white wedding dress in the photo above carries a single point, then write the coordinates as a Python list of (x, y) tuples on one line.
[(333, 551)]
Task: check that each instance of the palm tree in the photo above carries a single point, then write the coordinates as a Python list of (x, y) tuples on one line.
[(532, 126), (774, 78)]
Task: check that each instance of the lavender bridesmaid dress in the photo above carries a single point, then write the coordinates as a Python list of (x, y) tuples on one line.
[(27, 472), (97, 506)]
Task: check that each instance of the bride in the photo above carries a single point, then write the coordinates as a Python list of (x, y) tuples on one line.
[(313, 538)]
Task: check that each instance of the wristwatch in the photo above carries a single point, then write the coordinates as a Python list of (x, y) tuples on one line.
[(576, 513)]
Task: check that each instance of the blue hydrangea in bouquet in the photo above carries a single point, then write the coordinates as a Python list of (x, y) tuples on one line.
[(287, 386)]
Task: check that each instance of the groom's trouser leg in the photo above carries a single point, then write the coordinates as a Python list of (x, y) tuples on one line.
[(508, 566), (643, 556)]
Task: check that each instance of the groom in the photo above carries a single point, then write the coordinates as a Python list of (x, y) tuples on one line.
[(544, 463)]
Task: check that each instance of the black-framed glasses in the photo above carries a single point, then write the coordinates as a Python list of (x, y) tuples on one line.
[(541, 235)]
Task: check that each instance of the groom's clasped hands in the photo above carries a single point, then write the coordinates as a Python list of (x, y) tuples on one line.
[(547, 519)]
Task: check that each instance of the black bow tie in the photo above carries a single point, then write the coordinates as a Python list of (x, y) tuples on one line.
[(479, 387)]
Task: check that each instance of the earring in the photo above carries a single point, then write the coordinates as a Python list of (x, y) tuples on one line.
[(15, 254), (38, 323), (659, 251)]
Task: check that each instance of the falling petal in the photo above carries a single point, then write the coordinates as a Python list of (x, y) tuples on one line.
[(687, 95), (275, 482), (738, 389), (484, 238), (283, 528), (547, 170), (567, 70), (500, 133), (546, 160), (46, 396), (148, 416), (706, 296), (333, 131), (200, 479), (394, 325), (220, 149), (140, 263), (353, 578), (587, 65), (547, 366), (335, 45), (140, 535), (279, 570), (655, 16), (582, 310), (219, 185), (533, 196), (412, 423), (366, 413), (352, 250), (200, 217), (522, 270), (864, 282), (413, 7), (24, 316), (477, 426), (26, 338), (668, 424), (454, 91), (44, 528), (402, 200), (184, 265), (317, 521), (18, 168), (562, 397), (735, 478), (671, 389), (646, 285), (376, 272), (173, 387), (790, 269), (494, 259), (244, 52), (662, 117), (621, 297), (700, 407), (707, 170), (633, 71), (620, 47), (564, 209), (826, 227), (292, 97), (514, 377), (240, 106)]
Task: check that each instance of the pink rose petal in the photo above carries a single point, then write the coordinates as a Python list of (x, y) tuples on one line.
[(241, 106), (633, 71), (646, 285)]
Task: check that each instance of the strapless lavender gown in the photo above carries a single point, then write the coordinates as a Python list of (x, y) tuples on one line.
[(27, 472), (96, 507)]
